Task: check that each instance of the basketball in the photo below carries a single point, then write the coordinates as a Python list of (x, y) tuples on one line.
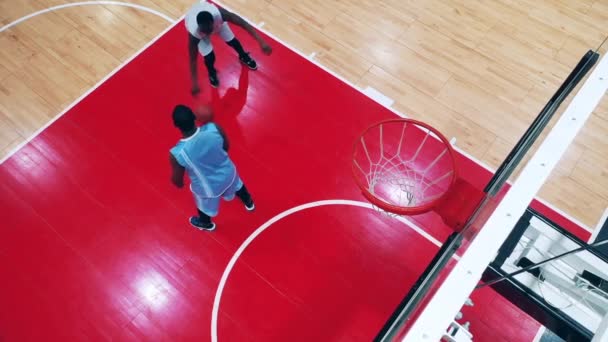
[(204, 113)]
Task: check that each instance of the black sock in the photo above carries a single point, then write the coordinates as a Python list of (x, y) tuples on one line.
[(244, 195), (210, 63), (236, 45), (204, 218)]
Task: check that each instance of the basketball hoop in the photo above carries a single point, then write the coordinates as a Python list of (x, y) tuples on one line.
[(407, 167)]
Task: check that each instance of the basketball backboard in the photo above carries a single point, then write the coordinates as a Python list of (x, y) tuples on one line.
[(436, 298)]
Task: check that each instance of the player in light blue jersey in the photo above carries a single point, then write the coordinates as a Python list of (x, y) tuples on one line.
[(203, 154)]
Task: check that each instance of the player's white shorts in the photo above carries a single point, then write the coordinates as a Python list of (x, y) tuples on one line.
[(211, 205), (204, 45)]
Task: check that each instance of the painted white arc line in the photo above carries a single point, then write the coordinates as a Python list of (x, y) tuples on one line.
[(169, 20), (86, 3), (267, 224)]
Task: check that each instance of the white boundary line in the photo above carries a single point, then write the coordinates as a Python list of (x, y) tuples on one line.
[(85, 3), (267, 224), (599, 225), (73, 104), (377, 96), (541, 200), (259, 27), (539, 333), (458, 285), (566, 216), (466, 154)]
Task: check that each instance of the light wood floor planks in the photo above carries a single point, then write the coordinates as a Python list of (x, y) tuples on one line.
[(478, 70)]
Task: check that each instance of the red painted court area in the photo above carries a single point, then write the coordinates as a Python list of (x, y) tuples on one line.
[(96, 244)]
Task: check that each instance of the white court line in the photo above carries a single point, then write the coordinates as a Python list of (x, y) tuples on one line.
[(257, 232), (599, 225), (85, 3), (477, 161), (566, 216), (259, 27), (122, 65), (461, 281), (544, 202), (396, 112), (267, 224), (379, 97), (267, 33), (539, 333)]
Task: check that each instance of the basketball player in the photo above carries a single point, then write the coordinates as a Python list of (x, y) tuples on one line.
[(204, 19), (203, 153)]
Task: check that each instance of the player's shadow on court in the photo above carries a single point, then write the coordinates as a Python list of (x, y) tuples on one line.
[(229, 106)]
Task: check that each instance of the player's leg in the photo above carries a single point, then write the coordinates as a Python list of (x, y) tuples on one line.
[(245, 197), (238, 188), (207, 208), (206, 49), (227, 35), (203, 221), (243, 194)]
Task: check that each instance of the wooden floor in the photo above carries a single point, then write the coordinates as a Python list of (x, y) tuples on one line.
[(96, 245), (478, 70)]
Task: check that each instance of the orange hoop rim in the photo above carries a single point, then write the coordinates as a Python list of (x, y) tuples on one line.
[(395, 208)]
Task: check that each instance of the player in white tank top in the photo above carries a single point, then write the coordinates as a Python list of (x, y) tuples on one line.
[(204, 19)]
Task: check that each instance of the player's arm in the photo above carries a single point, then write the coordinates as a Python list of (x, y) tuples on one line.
[(223, 134), (193, 53), (237, 20), (177, 174)]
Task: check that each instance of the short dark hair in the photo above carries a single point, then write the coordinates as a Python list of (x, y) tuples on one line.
[(183, 118), (204, 18)]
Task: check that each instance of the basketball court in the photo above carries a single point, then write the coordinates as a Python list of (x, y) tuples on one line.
[(98, 246)]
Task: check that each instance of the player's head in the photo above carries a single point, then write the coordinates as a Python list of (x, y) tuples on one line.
[(183, 118), (205, 22)]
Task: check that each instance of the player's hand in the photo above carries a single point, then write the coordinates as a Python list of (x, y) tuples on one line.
[(266, 49), (195, 89)]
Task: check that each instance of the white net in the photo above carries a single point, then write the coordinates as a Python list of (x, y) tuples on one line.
[(403, 164)]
